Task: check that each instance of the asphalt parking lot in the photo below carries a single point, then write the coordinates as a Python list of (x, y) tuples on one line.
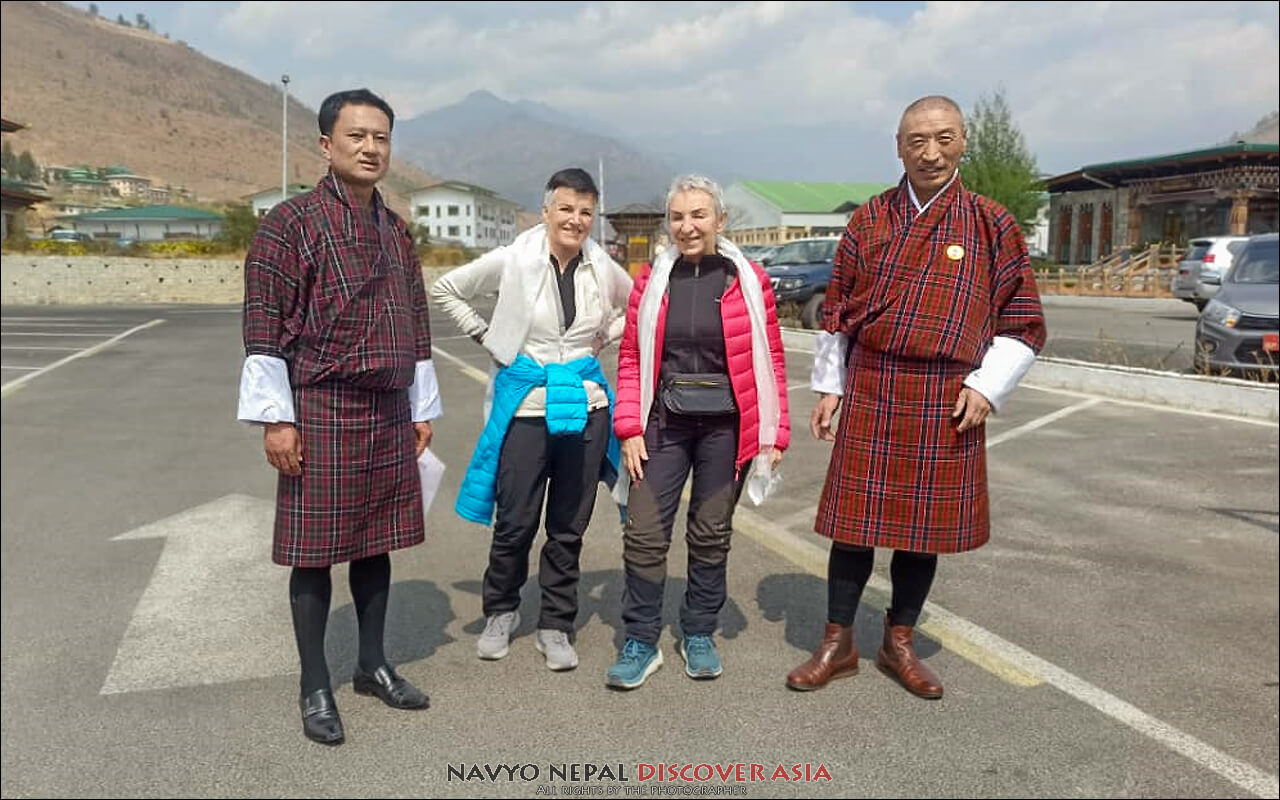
[(1118, 637)]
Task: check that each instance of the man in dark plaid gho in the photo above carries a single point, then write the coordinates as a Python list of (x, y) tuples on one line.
[(930, 320), (338, 372)]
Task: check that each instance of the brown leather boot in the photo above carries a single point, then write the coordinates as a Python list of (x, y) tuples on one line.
[(836, 657), (897, 659)]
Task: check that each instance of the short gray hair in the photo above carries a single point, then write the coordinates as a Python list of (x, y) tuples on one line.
[(696, 183), (929, 102)]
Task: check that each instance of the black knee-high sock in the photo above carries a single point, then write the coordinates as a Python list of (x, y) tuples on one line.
[(912, 575), (370, 585), (310, 592), (848, 569)]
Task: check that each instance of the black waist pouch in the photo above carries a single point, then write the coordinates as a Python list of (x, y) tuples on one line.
[(697, 394)]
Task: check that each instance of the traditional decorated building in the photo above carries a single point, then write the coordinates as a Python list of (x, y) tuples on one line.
[(1101, 208)]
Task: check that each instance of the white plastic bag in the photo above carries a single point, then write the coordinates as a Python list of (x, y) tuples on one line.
[(763, 481), (431, 472)]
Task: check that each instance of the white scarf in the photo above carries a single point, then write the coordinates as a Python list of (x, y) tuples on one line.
[(524, 269), (761, 360)]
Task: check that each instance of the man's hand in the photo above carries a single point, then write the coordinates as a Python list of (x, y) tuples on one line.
[(421, 437), (971, 409), (820, 421), (283, 445), (634, 455)]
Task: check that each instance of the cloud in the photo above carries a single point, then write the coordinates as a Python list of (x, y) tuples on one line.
[(1084, 80)]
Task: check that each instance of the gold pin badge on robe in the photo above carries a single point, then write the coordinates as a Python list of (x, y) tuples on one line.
[(955, 252)]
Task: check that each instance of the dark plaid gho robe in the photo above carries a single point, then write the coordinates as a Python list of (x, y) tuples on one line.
[(337, 292), (920, 314)]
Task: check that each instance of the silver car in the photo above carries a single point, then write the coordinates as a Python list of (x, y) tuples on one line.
[(1200, 273), (1239, 330)]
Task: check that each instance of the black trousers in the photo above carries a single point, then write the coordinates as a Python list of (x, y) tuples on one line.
[(677, 444), (564, 469)]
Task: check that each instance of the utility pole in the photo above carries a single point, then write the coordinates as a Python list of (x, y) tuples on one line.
[(600, 236), (284, 142)]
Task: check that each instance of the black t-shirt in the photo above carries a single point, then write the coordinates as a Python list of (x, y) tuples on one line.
[(694, 337), (564, 279)]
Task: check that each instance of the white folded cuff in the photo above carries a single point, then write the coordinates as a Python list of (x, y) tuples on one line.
[(265, 393), (829, 369), (1002, 367), (424, 394)]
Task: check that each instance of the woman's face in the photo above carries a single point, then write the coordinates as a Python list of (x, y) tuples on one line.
[(568, 218), (694, 223)]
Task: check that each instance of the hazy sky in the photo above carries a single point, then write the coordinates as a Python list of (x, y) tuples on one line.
[(1087, 82)]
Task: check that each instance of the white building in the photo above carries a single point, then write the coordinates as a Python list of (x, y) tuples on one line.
[(470, 215), (263, 201), (1038, 234), (776, 212), (148, 224), (129, 185)]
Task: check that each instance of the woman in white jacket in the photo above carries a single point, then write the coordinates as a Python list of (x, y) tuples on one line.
[(561, 299)]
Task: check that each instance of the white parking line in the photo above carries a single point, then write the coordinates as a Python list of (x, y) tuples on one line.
[(467, 369), (92, 335), (16, 383), (805, 347), (51, 324), (998, 655), (1152, 406), (58, 319), (6, 366), (1042, 421), (804, 516), (1016, 665)]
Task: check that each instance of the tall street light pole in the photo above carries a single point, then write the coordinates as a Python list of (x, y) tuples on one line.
[(284, 142)]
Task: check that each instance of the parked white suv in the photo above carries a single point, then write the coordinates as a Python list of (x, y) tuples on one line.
[(1200, 273)]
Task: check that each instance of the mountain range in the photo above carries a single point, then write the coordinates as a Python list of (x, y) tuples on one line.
[(94, 92), (513, 147)]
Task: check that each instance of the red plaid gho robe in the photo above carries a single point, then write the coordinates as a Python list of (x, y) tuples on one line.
[(921, 297), (337, 292)]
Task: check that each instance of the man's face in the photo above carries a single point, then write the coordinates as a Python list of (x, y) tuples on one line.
[(930, 144), (568, 217), (694, 222), (359, 150)]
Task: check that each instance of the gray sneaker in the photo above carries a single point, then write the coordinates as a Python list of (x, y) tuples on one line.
[(496, 639), (556, 647)]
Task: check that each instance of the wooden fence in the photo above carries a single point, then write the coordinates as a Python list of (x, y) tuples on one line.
[(1126, 273)]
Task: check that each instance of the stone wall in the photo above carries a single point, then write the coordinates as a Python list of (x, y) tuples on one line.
[(31, 279)]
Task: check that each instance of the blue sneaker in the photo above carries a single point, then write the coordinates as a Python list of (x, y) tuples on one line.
[(701, 661), (637, 661)]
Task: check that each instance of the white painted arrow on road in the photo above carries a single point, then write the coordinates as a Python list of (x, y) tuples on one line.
[(216, 609)]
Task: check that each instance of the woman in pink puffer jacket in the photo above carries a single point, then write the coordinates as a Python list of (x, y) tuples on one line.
[(702, 387)]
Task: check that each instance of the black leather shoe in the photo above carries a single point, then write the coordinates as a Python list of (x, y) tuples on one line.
[(320, 720), (390, 688)]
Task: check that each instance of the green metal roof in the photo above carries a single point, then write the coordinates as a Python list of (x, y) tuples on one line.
[(22, 189), (1190, 155), (145, 213), (798, 197)]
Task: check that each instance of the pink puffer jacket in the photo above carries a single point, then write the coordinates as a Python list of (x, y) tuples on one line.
[(737, 346)]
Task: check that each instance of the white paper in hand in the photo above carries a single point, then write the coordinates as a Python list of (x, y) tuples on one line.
[(763, 481), (431, 471)]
